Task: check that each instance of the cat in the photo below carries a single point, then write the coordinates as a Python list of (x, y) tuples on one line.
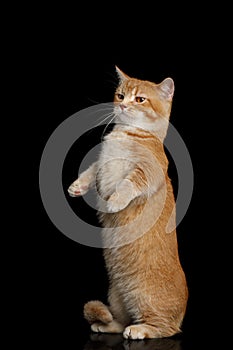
[(148, 291)]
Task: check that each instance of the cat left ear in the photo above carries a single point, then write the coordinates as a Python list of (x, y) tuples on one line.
[(121, 75), (167, 88)]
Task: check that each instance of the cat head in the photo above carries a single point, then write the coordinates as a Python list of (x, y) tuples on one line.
[(142, 103)]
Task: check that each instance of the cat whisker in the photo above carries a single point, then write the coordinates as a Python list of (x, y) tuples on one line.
[(114, 116), (93, 101), (106, 104), (113, 83), (106, 109), (106, 117), (114, 80)]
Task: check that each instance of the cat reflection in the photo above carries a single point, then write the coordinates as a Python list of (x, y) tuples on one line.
[(117, 342)]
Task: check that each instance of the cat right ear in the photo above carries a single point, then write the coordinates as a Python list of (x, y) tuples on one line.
[(121, 75), (167, 88)]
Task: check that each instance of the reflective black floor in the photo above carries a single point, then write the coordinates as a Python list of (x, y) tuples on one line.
[(116, 342), (70, 336)]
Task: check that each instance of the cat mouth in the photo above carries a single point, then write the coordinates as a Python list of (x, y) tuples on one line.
[(124, 113)]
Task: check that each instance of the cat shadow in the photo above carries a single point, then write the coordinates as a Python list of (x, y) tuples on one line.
[(117, 342)]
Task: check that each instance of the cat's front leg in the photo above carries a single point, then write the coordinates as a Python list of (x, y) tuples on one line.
[(123, 195), (85, 181)]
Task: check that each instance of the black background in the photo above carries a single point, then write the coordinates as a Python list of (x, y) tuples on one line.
[(72, 70)]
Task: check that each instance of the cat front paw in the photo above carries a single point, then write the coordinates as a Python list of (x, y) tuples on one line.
[(121, 198), (117, 202), (134, 332), (78, 188)]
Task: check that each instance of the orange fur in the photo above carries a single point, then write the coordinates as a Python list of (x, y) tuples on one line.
[(148, 292)]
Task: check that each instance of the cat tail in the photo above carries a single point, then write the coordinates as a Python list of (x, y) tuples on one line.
[(96, 311)]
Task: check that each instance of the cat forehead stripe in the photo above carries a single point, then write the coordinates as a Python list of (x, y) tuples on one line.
[(134, 91)]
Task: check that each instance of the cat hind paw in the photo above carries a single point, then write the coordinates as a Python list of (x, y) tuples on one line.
[(112, 327)]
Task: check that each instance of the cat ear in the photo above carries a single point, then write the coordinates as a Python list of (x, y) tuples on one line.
[(167, 88), (121, 75)]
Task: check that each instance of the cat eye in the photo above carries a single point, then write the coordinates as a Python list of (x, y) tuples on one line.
[(120, 96), (139, 99)]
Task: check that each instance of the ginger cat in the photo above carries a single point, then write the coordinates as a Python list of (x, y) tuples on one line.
[(148, 291)]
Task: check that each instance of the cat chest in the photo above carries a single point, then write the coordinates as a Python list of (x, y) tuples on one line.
[(115, 163), (116, 160)]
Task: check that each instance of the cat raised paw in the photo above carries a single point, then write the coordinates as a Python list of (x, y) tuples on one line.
[(117, 202), (78, 188), (121, 197)]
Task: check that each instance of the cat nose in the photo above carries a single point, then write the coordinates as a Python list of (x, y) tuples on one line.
[(123, 106)]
